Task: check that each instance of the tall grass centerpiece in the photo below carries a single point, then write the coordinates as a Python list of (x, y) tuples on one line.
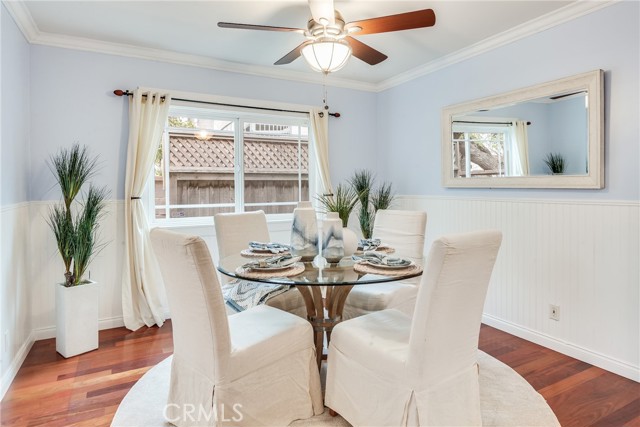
[(382, 197), (343, 202), (371, 200), (361, 182), (76, 227)]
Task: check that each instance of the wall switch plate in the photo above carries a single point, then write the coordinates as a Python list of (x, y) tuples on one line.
[(554, 312)]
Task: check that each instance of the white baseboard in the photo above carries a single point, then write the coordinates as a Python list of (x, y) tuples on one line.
[(50, 331), (16, 363), (600, 360)]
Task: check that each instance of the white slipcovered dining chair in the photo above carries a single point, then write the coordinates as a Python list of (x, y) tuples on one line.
[(388, 369), (256, 368), (234, 231), (404, 231)]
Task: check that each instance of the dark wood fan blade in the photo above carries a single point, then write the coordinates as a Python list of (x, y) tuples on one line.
[(402, 21), (258, 27), (365, 52), (291, 56)]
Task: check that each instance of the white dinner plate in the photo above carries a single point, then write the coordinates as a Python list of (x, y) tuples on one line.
[(389, 267), (277, 267)]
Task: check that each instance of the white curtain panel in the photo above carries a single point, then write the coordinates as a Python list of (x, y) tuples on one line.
[(519, 148), (143, 294), (320, 130)]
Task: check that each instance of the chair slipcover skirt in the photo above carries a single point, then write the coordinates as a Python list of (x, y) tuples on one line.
[(255, 368), (390, 369)]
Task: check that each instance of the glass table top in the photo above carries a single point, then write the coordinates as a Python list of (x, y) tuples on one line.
[(335, 274)]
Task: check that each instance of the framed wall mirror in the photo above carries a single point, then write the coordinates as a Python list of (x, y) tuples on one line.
[(545, 136)]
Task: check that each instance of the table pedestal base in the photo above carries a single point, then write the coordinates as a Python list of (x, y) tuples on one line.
[(324, 313)]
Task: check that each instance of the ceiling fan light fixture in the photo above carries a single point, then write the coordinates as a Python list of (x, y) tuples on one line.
[(326, 55)]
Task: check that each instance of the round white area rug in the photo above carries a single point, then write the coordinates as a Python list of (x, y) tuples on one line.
[(506, 399)]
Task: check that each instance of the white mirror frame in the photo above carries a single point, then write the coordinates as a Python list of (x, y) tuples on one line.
[(591, 82)]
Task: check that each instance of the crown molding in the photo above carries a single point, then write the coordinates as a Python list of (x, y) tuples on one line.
[(32, 33), (544, 22), (119, 49), (23, 19), (28, 27)]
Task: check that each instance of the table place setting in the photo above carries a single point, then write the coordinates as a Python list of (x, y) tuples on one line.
[(368, 245), (376, 262), (265, 249), (284, 265)]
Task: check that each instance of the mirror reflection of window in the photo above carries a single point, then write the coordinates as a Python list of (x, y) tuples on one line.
[(489, 148)]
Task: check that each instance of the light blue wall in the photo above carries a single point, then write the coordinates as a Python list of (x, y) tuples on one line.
[(409, 115), (396, 132), (14, 151), (72, 100)]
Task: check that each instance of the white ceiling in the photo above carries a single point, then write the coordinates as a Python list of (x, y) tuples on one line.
[(187, 32)]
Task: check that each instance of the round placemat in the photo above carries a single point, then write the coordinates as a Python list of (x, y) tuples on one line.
[(383, 249), (248, 273), (370, 269), (248, 253)]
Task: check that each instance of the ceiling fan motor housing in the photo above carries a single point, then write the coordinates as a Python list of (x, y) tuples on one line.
[(316, 29)]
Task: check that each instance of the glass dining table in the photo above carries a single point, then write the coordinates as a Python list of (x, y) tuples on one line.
[(324, 290)]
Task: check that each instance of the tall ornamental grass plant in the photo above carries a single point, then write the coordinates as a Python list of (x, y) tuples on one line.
[(76, 227)]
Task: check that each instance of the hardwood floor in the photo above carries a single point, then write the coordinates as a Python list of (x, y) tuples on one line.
[(86, 390)]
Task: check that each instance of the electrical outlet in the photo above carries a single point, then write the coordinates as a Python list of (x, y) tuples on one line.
[(554, 312)]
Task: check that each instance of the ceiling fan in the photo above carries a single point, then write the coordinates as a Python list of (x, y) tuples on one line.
[(329, 41)]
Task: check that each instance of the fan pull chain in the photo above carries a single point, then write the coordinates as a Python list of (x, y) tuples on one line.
[(324, 92)]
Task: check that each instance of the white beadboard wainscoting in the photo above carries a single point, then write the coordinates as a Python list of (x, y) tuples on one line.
[(47, 269), (15, 316), (31, 266), (106, 268), (582, 256)]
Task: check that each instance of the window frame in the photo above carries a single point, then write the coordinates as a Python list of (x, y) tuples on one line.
[(239, 115)]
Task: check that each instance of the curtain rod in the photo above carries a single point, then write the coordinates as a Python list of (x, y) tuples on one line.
[(488, 123), (120, 92)]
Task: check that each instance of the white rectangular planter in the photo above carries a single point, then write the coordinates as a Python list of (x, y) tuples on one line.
[(76, 318)]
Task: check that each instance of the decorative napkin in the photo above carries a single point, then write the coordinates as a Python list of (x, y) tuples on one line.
[(242, 295), (376, 258), (275, 248), (369, 244), (277, 261)]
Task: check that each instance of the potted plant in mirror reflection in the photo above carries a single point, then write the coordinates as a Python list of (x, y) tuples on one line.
[(75, 227), (371, 200), (555, 162)]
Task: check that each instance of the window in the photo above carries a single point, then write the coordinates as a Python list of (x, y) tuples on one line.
[(212, 161), (488, 148)]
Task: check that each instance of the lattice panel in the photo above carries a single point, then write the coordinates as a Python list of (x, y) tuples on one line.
[(218, 153), (189, 152)]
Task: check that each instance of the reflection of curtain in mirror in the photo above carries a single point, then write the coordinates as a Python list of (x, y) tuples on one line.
[(519, 159)]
